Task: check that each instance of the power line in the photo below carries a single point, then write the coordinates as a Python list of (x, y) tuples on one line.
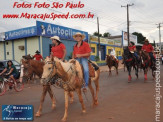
[(128, 5)]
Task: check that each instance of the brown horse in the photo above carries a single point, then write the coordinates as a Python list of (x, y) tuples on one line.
[(110, 61), (72, 79), (30, 67), (146, 63)]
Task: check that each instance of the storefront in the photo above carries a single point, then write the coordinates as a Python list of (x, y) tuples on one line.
[(105, 46), (27, 40)]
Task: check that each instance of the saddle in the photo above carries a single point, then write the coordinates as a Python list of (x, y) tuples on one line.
[(92, 68)]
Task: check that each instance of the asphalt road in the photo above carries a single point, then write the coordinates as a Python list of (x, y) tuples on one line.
[(119, 101)]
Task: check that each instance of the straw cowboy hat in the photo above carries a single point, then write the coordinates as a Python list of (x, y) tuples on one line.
[(78, 33), (56, 38)]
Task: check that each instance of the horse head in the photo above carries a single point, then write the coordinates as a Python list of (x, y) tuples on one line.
[(109, 58), (26, 70), (144, 55), (127, 55), (49, 69)]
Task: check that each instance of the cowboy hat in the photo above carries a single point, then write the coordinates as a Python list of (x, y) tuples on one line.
[(146, 40), (37, 51), (55, 38), (78, 33)]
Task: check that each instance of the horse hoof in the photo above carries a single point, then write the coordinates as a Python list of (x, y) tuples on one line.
[(53, 106), (83, 111), (64, 120), (37, 114)]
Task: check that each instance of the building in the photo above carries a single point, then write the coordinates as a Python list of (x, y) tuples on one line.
[(106, 44), (27, 40)]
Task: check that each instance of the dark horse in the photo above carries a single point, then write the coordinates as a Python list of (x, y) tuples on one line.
[(130, 61), (146, 63), (111, 62)]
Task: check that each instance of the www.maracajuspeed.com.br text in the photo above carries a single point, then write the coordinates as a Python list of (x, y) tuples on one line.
[(48, 16)]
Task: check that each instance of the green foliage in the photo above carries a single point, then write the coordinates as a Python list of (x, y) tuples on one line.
[(140, 37), (97, 58), (96, 34), (106, 34)]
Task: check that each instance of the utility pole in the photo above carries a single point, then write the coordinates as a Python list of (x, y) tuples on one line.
[(128, 22), (99, 49), (159, 27)]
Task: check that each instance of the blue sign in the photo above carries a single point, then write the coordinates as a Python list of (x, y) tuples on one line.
[(21, 33), (17, 112), (49, 30)]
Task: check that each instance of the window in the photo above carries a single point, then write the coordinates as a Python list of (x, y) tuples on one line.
[(119, 52), (93, 49), (109, 51)]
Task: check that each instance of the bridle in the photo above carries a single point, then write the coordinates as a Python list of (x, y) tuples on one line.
[(53, 65), (51, 78), (25, 69)]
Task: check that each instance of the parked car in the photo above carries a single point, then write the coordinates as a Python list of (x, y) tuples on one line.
[(3, 64)]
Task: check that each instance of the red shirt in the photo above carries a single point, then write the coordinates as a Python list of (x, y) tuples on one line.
[(132, 48), (38, 57), (148, 48), (58, 51), (84, 48)]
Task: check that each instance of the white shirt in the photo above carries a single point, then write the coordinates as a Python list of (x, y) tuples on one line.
[(113, 53)]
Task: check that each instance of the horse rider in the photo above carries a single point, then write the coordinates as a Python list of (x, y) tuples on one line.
[(132, 49), (82, 52), (58, 49), (12, 72), (38, 56), (147, 47), (113, 54)]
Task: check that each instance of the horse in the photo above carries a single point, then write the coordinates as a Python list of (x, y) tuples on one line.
[(146, 62), (130, 61), (111, 62), (72, 79), (30, 67)]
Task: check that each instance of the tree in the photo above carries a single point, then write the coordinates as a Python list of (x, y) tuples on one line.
[(96, 34), (140, 37), (106, 34)]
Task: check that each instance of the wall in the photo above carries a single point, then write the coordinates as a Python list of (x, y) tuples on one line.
[(46, 42), (2, 51), (32, 45), (9, 49), (17, 52), (93, 55)]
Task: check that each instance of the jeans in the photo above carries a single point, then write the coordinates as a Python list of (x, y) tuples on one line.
[(152, 57), (136, 55), (84, 63)]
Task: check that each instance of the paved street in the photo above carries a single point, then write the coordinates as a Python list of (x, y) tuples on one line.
[(119, 101)]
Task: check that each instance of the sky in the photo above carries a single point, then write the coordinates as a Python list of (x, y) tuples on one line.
[(144, 16)]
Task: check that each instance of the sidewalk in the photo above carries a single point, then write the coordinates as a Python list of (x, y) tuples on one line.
[(106, 69)]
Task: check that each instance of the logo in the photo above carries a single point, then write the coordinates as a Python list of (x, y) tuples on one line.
[(17, 112)]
